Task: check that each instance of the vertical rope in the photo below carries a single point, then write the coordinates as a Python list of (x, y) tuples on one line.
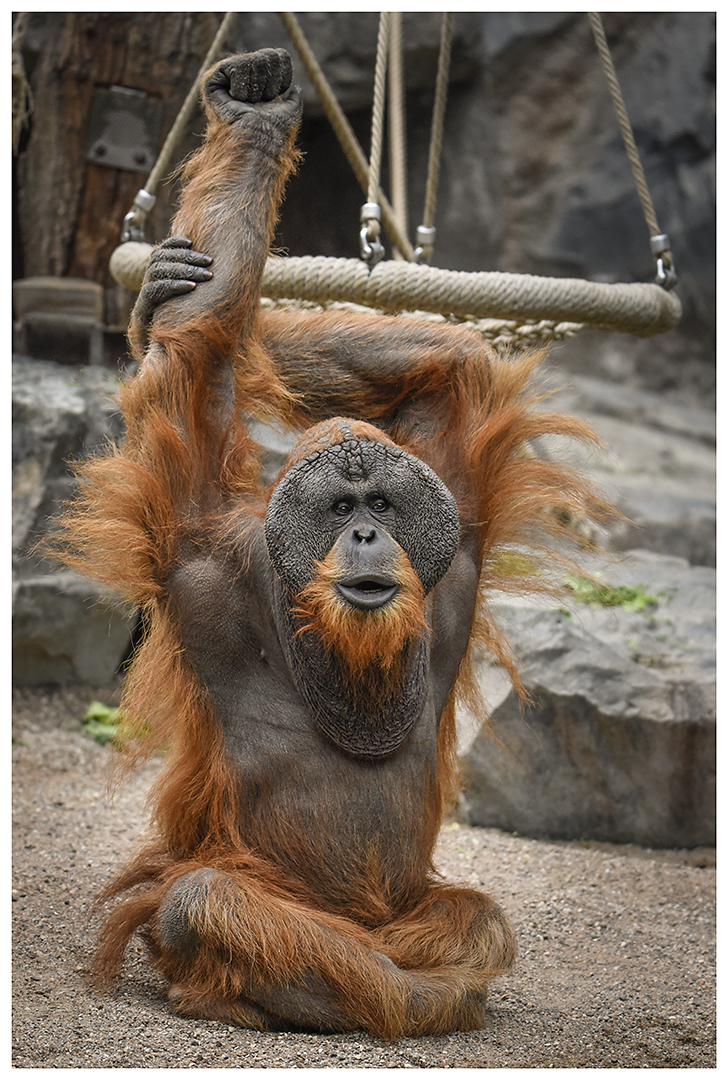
[(438, 120), (342, 128), (334, 112), (380, 82), (659, 242), (630, 145), (397, 127), (145, 198), (162, 164), (426, 231)]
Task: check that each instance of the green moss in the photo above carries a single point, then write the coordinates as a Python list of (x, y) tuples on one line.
[(592, 591)]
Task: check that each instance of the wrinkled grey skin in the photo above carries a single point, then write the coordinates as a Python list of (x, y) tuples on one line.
[(174, 270), (420, 514)]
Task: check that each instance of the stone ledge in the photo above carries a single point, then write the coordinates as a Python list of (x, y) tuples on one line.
[(58, 296), (618, 742)]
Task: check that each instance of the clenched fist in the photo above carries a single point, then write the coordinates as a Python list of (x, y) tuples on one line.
[(258, 82)]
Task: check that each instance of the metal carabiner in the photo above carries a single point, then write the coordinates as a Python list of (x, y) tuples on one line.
[(425, 243), (370, 246), (665, 276), (371, 251), (136, 219)]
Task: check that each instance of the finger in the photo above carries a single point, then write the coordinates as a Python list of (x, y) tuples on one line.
[(286, 110), (198, 258), (198, 273), (167, 256), (156, 293), (251, 78), (174, 242), (164, 271), (261, 76), (226, 106)]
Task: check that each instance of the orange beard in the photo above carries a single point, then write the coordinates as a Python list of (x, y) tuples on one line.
[(371, 644)]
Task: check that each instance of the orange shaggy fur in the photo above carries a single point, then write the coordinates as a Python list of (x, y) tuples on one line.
[(362, 638)]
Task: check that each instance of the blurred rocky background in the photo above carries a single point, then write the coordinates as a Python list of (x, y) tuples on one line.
[(619, 741)]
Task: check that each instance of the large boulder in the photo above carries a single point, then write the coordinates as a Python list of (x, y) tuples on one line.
[(617, 742), (65, 628)]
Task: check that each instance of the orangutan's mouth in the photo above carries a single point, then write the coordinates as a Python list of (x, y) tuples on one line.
[(369, 591)]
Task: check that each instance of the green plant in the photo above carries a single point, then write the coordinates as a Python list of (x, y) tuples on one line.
[(592, 591), (102, 722)]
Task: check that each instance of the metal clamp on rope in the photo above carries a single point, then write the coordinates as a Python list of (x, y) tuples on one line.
[(666, 275), (370, 246), (135, 221), (425, 243)]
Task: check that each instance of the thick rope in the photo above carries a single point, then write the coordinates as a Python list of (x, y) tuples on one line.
[(380, 82), (638, 308), (397, 127), (342, 128)]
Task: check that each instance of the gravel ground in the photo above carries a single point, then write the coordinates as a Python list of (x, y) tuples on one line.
[(616, 967)]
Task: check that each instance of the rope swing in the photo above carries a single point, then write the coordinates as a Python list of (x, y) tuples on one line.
[(509, 309)]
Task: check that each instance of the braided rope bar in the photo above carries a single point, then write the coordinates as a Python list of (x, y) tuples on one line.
[(639, 308)]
